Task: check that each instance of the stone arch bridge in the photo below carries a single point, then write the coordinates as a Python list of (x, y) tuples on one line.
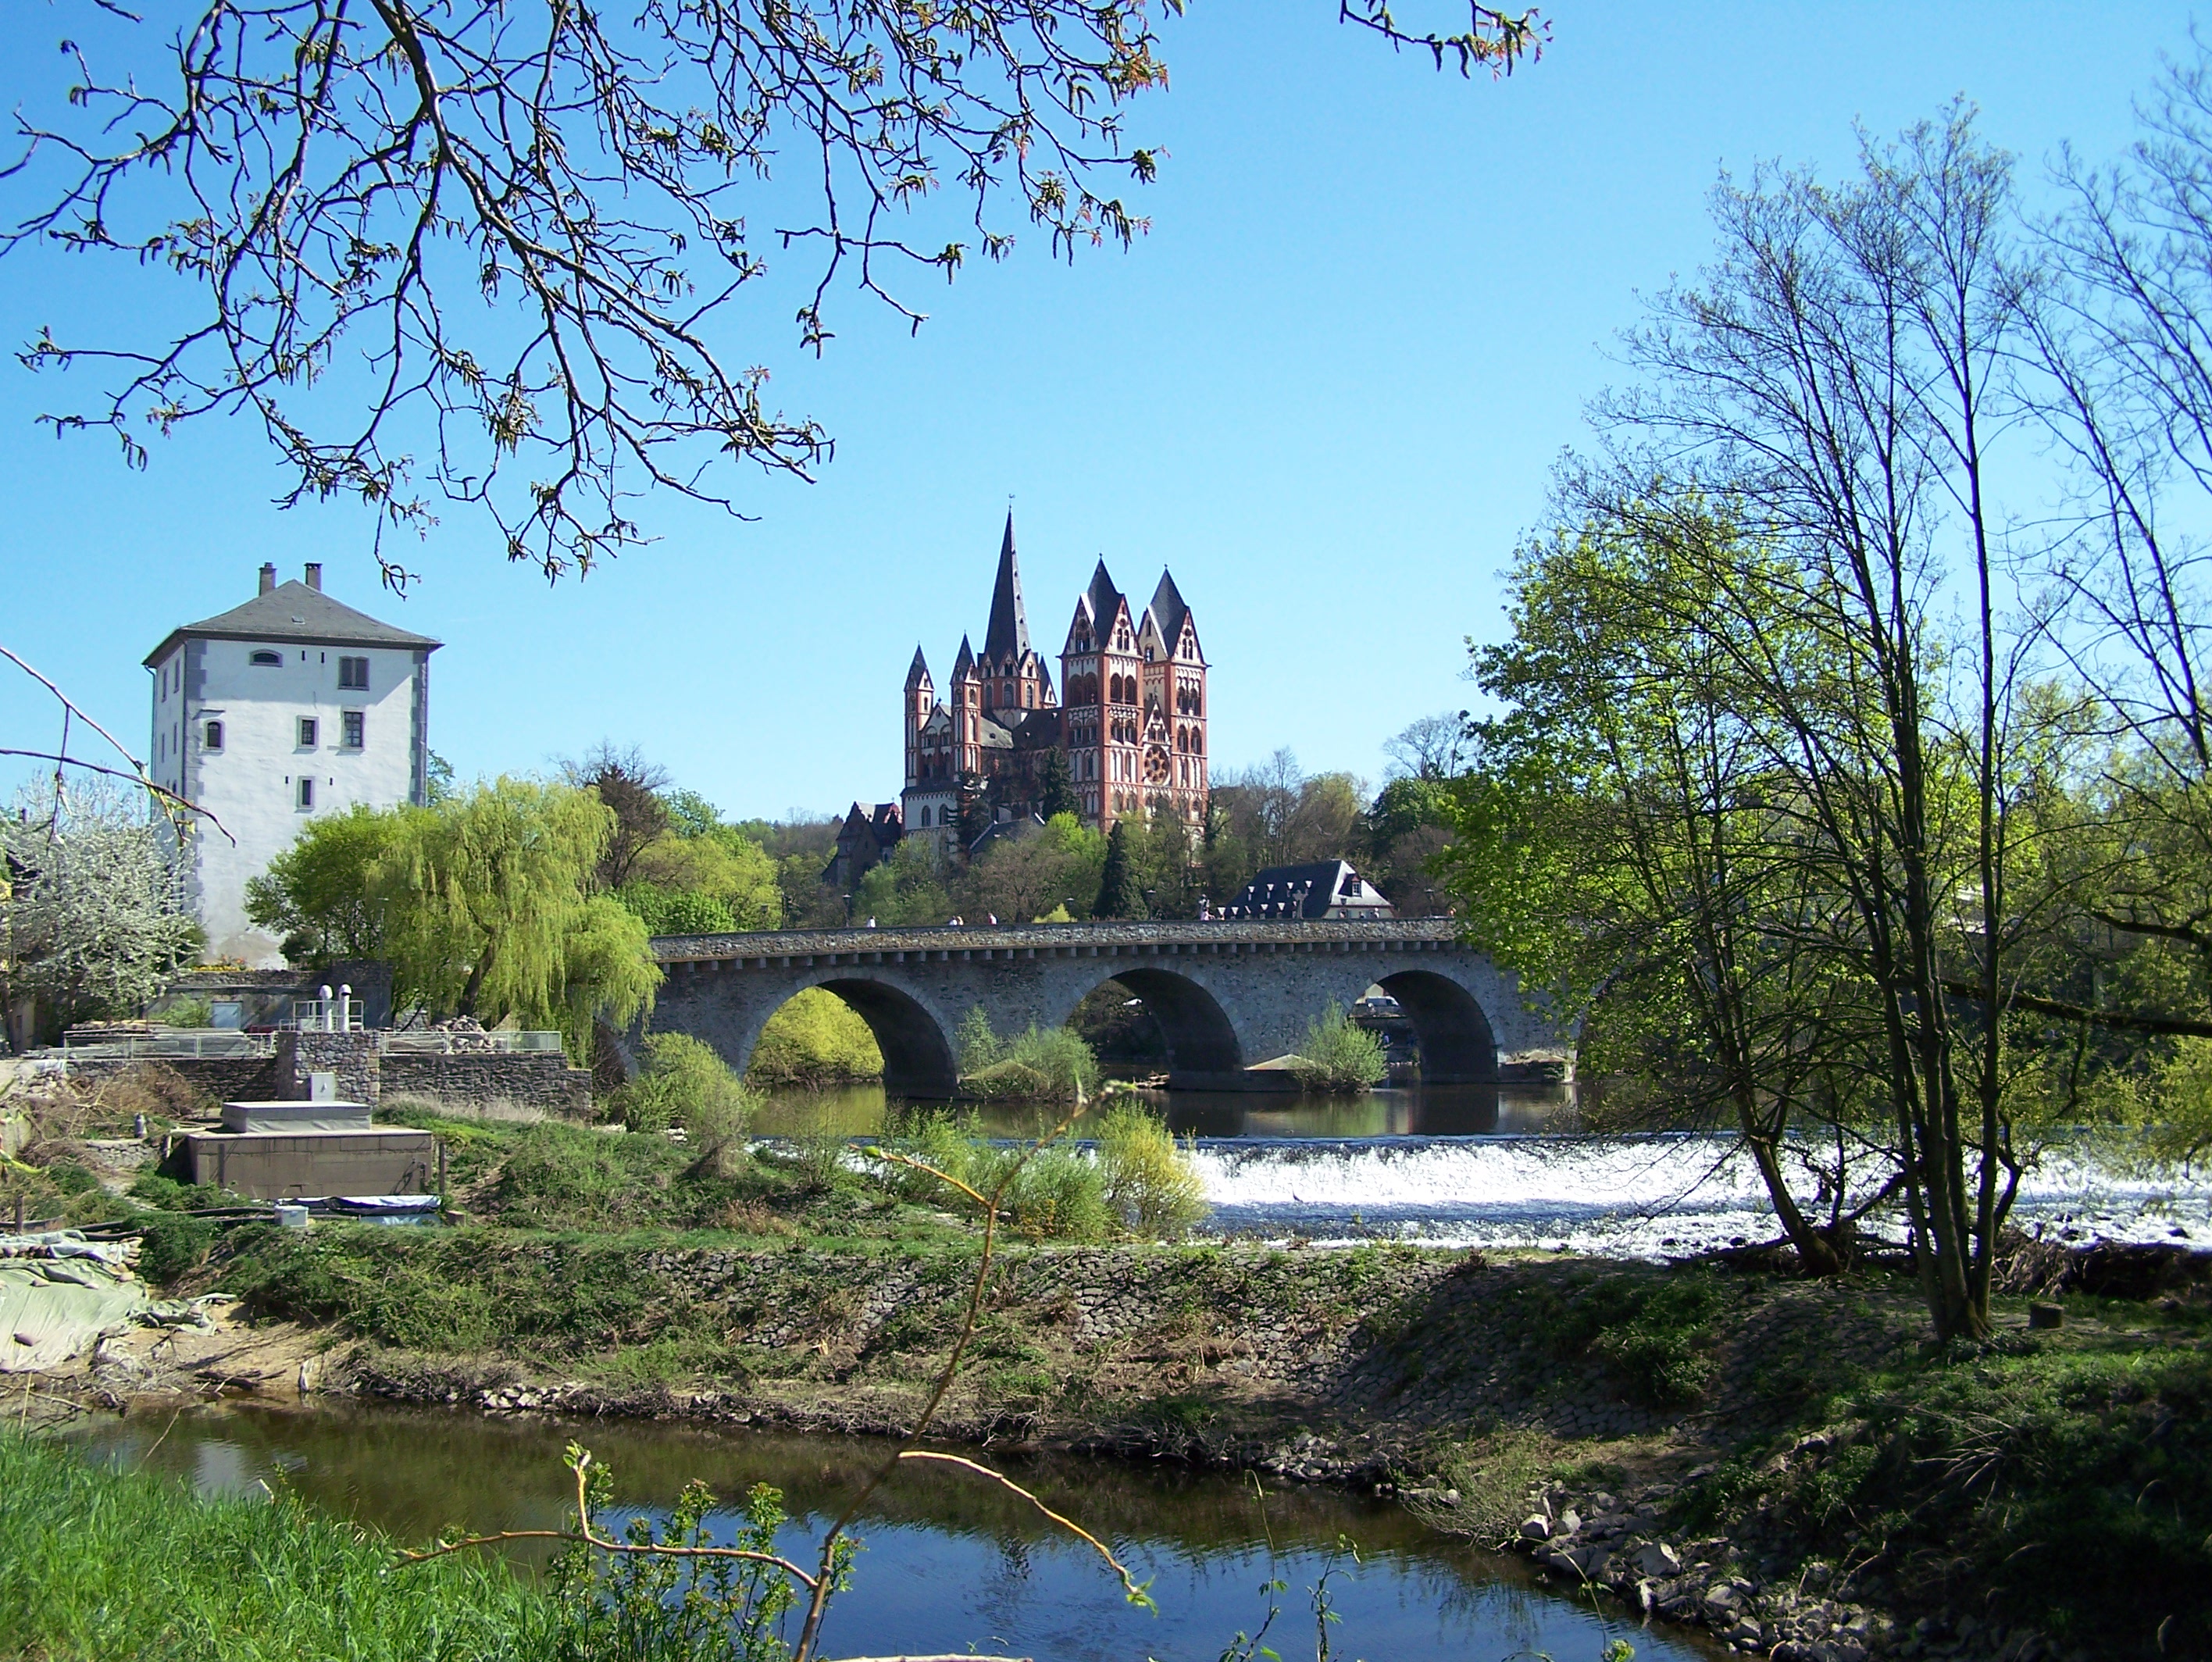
[(1228, 996)]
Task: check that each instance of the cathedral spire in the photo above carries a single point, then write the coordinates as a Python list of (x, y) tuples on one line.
[(1009, 633), (918, 676)]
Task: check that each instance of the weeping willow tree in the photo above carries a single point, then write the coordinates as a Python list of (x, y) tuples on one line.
[(492, 912)]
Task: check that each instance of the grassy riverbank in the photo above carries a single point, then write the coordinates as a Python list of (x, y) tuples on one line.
[(1789, 1435), (1801, 1434), (96, 1565)]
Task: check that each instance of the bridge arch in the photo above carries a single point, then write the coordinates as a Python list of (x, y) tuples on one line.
[(1450, 1027), (1200, 1038), (918, 1058)]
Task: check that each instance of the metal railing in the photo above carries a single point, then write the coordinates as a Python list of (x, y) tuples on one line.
[(213, 1042), (326, 1015)]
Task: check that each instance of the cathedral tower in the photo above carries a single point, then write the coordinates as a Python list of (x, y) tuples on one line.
[(1128, 721)]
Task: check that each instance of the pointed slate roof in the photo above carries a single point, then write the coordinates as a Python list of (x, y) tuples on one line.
[(295, 614), (1103, 597), (964, 664), (918, 676), (1008, 635), (1168, 611)]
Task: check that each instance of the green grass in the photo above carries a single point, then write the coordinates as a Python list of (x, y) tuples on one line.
[(1647, 1333), (96, 1565), (2068, 1485)]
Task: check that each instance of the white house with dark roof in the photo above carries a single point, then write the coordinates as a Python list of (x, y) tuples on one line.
[(287, 707)]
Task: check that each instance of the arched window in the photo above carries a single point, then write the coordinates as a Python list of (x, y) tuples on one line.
[(1197, 741), (266, 660)]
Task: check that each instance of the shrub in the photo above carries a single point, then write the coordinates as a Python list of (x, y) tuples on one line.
[(1057, 1194), (163, 1094), (1650, 1334), (1042, 1064), (1150, 1184), (685, 1083), (557, 1176), (172, 1243), (978, 1046), (817, 1039), (1336, 1055), (188, 1012)]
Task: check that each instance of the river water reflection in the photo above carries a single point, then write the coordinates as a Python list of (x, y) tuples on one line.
[(949, 1562)]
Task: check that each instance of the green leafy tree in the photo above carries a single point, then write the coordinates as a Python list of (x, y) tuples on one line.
[(321, 895), (491, 912), (1017, 879), (1626, 841), (1839, 374), (909, 887), (1408, 828)]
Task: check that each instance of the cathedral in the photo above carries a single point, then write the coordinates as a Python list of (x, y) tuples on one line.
[(1128, 740)]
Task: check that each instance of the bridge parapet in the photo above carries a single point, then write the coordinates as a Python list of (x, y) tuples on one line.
[(1023, 939)]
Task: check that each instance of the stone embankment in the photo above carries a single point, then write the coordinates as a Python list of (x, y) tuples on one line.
[(1574, 1411), (1599, 1540)]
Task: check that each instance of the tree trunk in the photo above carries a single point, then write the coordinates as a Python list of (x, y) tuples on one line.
[(1818, 1254)]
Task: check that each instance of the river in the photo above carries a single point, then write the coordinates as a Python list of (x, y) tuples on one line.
[(1476, 1166), (949, 1562)]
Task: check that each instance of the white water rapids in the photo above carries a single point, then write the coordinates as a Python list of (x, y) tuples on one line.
[(1646, 1197)]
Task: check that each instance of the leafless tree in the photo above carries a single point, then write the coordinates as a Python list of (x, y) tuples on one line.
[(1432, 747), (634, 789), (509, 232), (2124, 336)]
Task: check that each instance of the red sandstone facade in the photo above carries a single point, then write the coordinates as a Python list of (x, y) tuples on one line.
[(1131, 732)]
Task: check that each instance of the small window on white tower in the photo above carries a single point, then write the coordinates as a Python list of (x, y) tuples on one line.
[(267, 660), (307, 792), (306, 735), (353, 673), (212, 740), (357, 729)]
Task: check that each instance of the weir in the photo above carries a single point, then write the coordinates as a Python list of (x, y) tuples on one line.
[(1227, 996)]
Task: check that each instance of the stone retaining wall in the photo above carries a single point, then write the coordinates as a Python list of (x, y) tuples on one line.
[(538, 1079), (222, 1078)]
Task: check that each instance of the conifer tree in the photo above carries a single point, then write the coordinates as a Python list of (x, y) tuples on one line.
[(1056, 791), (1121, 888)]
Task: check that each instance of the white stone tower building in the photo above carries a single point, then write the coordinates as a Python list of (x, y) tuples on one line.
[(287, 708)]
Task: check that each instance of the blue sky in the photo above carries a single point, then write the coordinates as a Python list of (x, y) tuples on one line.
[(1326, 391)]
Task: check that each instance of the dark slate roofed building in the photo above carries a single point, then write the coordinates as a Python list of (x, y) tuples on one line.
[(1326, 888), (864, 842)]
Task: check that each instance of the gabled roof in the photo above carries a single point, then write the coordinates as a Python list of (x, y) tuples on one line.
[(965, 666), (918, 676), (299, 615), (1320, 889), (1008, 635)]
